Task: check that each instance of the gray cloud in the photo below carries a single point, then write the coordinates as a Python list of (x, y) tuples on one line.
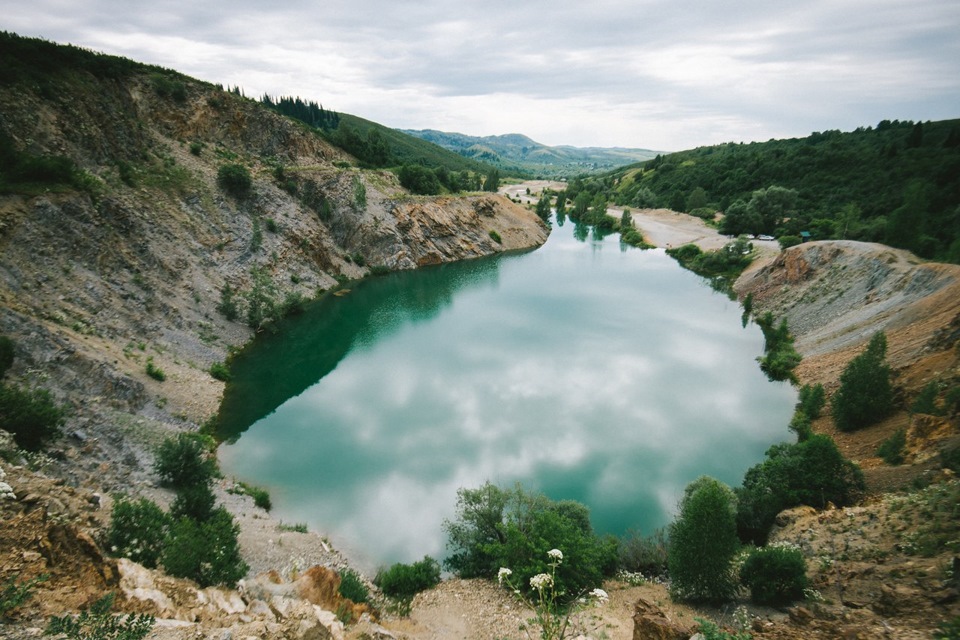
[(655, 74)]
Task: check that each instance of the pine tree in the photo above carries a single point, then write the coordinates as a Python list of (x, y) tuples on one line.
[(866, 393)]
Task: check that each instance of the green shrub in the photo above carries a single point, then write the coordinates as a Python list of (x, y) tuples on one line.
[(775, 575), (261, 497), (31, 416), (154, 371), (271, 224), (228, 305), (891, 449), (195, 502), (352, 587), (865, 395), (256, 235), (185, 461), (812, 472), (419, 179), (497, 528), (789, 241), (950, 458), (780, 358), (235, 180), (137, 531), (262, 306), (196, 148), (97, 623), (644, 554), (703, 541), (496, 237), (165, 86), (206, 552), (711, 631), (948, 630), (15, 593), (812, 400), (403, 581), (220, 371), (800, 424), (926, 401), (359, 194), (952, 400), (6, 355)]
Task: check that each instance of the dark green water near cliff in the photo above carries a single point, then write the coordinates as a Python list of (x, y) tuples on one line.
[(583, 370)]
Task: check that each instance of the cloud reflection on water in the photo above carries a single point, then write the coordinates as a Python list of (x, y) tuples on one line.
[(614, 384)]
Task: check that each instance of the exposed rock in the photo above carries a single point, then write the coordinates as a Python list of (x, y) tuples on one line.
[(650, 623)]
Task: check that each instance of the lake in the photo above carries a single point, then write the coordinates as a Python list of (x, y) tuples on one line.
[(585, 370)]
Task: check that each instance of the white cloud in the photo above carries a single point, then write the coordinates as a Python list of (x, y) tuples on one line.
[(653, 74)]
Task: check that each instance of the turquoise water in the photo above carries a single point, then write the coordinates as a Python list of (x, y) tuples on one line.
[(583, 370)]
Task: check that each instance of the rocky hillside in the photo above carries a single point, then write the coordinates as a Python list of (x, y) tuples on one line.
[(94, 282), (835, 295), (124, 266)]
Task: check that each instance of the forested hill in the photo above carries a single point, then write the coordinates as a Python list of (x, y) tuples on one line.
[(897, 183), (519, 155), (48, 67)]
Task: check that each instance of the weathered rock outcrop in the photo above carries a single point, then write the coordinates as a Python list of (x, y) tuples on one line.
[(836, 294), (651, 623)]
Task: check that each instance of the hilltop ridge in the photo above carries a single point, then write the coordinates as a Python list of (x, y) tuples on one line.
[(520, 155)]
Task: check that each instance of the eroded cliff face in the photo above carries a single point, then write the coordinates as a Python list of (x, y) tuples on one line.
[(836, 294)]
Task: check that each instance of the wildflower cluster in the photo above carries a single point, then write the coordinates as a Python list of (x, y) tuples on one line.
[(551, 615)]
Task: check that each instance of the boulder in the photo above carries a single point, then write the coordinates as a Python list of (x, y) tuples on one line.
[(651, 623)]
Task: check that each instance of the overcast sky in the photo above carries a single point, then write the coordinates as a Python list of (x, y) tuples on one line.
[(656, 74)]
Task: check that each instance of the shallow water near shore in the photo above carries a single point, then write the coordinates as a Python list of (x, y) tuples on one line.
[(584, 370)]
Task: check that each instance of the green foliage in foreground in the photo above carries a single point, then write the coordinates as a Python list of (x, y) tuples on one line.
[(97, 623), (711, 631), (948, 630), (352, 587), (186, 461), (513, 528), (30, 415), (865, 395), (15, 593), (775, 575), (812, 472), (138, 530), (703, 542), (206, 552), (195, 540), (403, 581)]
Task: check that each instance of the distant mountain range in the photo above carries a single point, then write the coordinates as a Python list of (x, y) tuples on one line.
[(516, 153)]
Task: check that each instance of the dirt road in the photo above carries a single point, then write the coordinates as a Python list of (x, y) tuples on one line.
[(660, 227)]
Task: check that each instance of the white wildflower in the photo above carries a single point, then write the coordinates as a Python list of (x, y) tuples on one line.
[(600, 595), (503, 574), (541, 581), (556, 554)]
